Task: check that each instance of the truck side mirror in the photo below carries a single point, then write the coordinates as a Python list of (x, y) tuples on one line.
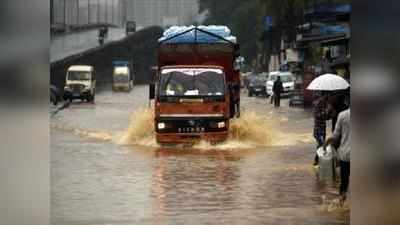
[(152, 91)]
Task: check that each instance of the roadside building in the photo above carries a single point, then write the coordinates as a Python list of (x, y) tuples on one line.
[(323, 43)]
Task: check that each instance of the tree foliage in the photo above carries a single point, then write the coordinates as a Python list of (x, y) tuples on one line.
[(242, 17), (245, 19)]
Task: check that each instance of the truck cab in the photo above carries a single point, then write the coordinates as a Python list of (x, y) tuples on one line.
[(80, 83), (191, 104), (197, 86)]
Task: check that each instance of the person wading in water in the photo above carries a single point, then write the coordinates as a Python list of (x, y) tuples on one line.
[(277, 89)]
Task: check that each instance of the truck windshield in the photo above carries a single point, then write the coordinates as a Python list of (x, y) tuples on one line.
[(78, 75), (121, 74), (192, 82), (121, 78)]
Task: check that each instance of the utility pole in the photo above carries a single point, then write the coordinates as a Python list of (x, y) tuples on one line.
[(106, 7), (98, 11), (65, 15), (112, 12), (51, 12), (77, 10), (88, 12)]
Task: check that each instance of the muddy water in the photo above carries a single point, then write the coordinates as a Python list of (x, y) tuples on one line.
[(107, 169)]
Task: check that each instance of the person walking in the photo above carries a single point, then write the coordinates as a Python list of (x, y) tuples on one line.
[(320, 117), (341, 135), (277, 89)]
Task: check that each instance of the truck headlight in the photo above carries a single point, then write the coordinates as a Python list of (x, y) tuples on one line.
[(221, 125), (161, 126), (67, 88)]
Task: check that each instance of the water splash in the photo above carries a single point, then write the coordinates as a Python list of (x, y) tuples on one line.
[(141, 129), (251, 130), (334, 205)]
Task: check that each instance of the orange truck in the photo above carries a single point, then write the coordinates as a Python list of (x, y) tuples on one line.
[(197, 86)]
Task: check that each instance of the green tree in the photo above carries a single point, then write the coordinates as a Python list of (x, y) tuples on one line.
[(245, 19)]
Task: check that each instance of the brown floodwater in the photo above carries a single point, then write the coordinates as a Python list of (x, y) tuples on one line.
[(107, 169)]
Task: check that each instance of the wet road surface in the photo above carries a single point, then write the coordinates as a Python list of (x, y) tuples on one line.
[(95, 180)]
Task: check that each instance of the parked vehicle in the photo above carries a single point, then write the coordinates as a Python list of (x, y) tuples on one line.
[(287, 79), (130, 27), (198, 87), (122, 77), (257, 85), (54, 95), (80, 83)]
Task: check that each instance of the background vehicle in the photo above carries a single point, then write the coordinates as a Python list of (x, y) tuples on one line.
[(80, 83), (54, 94), (198, 87), (287, 79), (130, 27), (257, 85), (122, 77)]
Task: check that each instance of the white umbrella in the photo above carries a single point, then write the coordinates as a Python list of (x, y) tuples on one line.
[(328, 82)]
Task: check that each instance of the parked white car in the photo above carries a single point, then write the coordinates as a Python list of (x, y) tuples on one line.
[(287, 79)]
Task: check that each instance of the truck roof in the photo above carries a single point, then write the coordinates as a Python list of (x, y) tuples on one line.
[(192, 67), (120, 63), (80, 68), (197, 34), (216, 69)]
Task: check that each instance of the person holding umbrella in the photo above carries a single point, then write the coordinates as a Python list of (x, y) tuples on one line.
[(324, 84), (320, 117)]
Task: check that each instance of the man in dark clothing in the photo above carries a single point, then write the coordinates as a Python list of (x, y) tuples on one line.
[(277, 89)]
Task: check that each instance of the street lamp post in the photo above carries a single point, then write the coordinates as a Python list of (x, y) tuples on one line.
[(106, 9)]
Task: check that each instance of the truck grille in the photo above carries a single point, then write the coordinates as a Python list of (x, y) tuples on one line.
[(77, 88), (190, 125)]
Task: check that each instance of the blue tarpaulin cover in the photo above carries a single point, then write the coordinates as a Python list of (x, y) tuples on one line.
[(176, 34), (120, 63)]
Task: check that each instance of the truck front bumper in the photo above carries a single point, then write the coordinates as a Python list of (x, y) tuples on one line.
[(176, 138), (80, 95)]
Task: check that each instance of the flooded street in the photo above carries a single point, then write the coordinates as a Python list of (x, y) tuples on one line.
[(96, 178)]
